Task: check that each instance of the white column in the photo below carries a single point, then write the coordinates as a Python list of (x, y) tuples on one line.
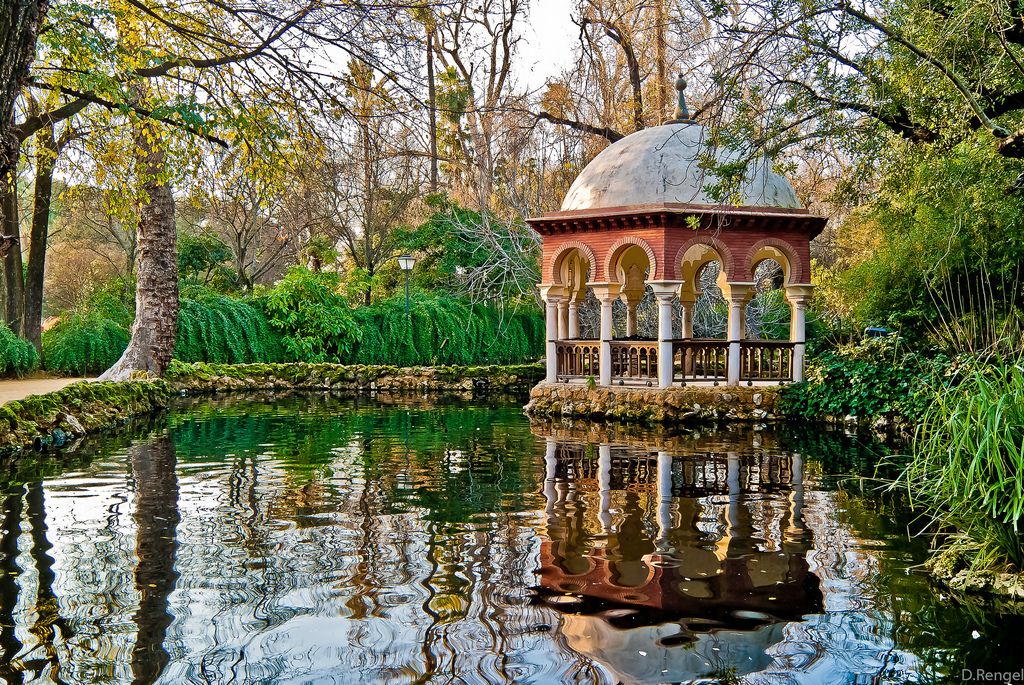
[(563, 319), (574, 319), (665, 292), (687, 300), (796, 519), (798, 296), (606, 293), (739, 294), (631, 318), (551, 300)]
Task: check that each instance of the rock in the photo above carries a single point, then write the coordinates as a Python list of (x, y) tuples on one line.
[(74, 424), (758, 399)]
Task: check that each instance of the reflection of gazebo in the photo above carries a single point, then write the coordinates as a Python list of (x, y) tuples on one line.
[(640, 215), (719, 571)]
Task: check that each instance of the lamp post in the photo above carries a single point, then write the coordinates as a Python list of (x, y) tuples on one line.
[(405, 263)]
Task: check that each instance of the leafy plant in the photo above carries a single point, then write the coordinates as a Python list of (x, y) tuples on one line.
[(967, 466), (445, 330), (313, 318)]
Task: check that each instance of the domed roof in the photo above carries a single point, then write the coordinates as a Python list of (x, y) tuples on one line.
[(662, 164)]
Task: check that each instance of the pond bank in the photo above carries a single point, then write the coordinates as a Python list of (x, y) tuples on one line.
[(56, 418), (652, 406)]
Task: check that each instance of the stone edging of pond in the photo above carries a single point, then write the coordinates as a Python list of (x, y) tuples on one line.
[(653, 406), (56, 418), (199, 379), (951, 568)]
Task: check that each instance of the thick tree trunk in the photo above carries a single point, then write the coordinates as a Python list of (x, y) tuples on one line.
[(46, 156), (14, 277), (156, 296), (19, 25)]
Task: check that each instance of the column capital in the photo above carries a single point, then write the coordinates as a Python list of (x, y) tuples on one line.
[(553, 292), (799, 293), (605, 292), (739, 291), (665, 290)]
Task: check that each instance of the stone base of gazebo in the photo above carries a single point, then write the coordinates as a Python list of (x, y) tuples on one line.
[(655, 405)]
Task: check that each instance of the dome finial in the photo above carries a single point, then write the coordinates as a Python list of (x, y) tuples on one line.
[(682, 114)]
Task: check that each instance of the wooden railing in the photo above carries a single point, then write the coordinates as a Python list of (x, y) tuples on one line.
[(692, 360), (634, 360), (766, 360), (578, 357), (700, 360)]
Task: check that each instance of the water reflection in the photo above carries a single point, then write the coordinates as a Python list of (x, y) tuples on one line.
[(668, 563), (319, 540)]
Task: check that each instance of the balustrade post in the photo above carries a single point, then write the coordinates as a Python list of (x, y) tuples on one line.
[(606, 293), (738, 295), (798, 296), (665, 292)]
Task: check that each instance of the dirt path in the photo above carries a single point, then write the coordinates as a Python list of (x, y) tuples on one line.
[(21, 388)]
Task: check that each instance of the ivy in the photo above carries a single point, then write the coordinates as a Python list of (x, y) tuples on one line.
[(871, 378)]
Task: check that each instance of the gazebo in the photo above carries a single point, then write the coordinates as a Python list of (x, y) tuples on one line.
[(641, 214)]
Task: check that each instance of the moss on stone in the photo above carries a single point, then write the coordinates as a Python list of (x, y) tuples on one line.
[(75, 410), (208, 378)]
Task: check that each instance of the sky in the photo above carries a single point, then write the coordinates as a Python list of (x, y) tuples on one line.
[(547, 47)]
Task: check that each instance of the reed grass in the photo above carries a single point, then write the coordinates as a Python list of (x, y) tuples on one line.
[(966, 468)]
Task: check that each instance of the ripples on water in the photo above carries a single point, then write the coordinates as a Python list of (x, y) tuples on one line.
[(320, 540)]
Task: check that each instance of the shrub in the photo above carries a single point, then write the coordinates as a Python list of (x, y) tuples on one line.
[(867, 378), (84, 343), (312, 316), (225, 330), (444, 330), (17, 355)]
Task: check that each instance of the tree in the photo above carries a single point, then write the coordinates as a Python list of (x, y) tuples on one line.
[(477, 42), (928, 73), (19, 25), (178, 75)]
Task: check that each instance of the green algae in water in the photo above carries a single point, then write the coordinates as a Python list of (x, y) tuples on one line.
[(327, 540)]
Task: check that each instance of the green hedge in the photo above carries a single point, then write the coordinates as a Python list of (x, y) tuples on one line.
[(17, 355), (224, 330), (83, 344), (213, 329), (444, 330)]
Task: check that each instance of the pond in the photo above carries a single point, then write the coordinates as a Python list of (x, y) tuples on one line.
[(326, 540)]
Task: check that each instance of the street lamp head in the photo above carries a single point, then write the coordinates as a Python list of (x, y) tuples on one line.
[(405, 262)]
